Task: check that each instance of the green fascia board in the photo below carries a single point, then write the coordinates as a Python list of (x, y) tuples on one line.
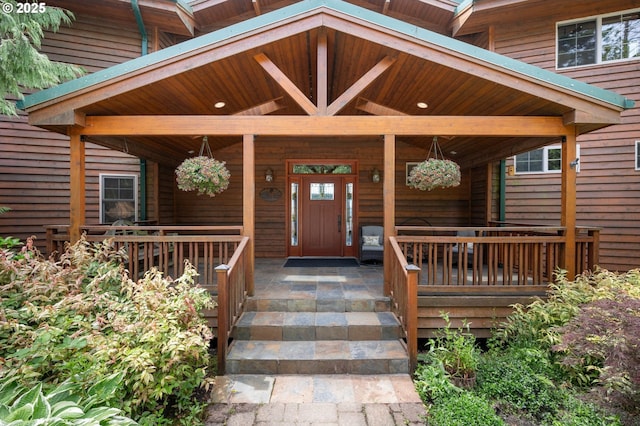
[(462, 6), (340, 6), (183, 4)]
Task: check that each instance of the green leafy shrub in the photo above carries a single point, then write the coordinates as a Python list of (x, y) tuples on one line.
[(464, 409), (518, 380), (455, 349), (537, 324), (432, 381), (83, 319)]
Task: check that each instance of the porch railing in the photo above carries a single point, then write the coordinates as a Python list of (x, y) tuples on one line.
[(163, 247), (232, 295), (500, 255), (404, 299), (475, 274)]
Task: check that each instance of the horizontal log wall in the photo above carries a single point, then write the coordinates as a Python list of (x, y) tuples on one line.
[(448, 207), (34, 163), (607, 184)]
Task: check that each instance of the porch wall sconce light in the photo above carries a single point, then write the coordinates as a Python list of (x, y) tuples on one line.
[(574, 163), (375, 175), (268, 175)]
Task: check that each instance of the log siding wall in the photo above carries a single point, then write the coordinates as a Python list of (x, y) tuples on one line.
[(34, 163), (607, 184), (450, 207)]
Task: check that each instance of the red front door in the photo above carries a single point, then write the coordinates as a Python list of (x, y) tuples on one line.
[(321, 216)]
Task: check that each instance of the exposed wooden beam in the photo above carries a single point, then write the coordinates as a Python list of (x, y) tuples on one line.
[(284, 82), (299, 125), (385, 7), (360, 85), (264, 108), (579, 117), (322, 67), (256, 7), (374, 108)]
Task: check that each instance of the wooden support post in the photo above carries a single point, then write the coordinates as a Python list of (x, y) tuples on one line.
[(249, 205), (223, 316), (77, 202), (412, 316), (389, 205), (568, 200)]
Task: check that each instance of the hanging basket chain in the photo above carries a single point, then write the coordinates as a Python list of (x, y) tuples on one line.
[(205, 144), (203, 173), (434, 172)]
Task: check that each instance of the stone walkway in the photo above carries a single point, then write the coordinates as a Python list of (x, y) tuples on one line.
[(351, 400)]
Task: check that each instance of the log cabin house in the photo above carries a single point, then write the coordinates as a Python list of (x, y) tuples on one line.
[(337, 95)]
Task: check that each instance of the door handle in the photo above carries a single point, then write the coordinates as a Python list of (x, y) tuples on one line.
[(339, 223)]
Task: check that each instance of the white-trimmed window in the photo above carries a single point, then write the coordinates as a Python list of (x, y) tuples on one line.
[(637, 155), (543, 160), (598, 39), (118, 198)]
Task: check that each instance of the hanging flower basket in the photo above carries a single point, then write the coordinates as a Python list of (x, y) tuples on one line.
[(434, 172), (203, 174)]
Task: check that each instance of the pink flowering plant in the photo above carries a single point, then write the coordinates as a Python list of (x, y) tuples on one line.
[(203, 174), (434, 173)]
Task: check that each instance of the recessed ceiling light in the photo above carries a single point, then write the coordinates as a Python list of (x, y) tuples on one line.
[(453, 152), (422, 105), (219, 104)]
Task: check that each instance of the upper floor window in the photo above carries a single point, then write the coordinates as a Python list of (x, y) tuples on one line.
[(600, 39), (543, 160), (118, 198)]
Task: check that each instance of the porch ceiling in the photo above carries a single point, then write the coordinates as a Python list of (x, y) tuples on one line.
[(269, 65)]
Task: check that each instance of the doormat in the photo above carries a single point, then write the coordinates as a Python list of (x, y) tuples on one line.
[(320, 262)]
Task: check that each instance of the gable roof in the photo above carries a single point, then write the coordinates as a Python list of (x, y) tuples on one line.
[(437, 40), (270, 65)]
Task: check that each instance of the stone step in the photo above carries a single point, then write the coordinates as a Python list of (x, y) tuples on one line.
[(317, 357), (292, 326), (317, 304)]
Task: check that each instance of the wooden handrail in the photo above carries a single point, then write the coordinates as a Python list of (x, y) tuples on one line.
[(404, 299), (232, 295)]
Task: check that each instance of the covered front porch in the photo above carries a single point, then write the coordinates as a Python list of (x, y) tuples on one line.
[(475, 274), (303, 96)]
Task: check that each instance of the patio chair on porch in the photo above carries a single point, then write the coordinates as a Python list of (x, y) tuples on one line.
[(371, 243), (459, 246)]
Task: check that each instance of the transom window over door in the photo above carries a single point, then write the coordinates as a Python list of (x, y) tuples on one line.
[(118, 198), (600, 39)]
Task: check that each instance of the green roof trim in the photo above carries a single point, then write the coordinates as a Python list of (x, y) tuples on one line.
[(462, 6), (305, 6), (185, 5)]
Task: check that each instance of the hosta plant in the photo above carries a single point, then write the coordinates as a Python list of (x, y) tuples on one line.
[(434, 173), (66, 404), (203, 174)]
